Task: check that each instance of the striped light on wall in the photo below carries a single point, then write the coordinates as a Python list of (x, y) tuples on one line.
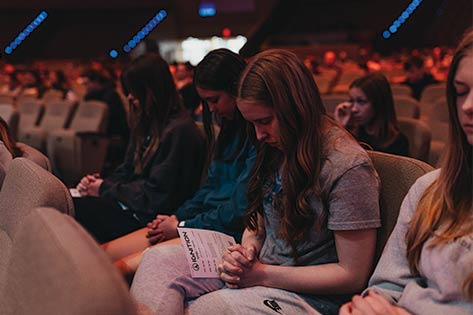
[(26, 32), (392, 29)]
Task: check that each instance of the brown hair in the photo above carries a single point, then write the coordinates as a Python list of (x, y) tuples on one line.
[(447, 203), (148, 79), (280, 80), (378, 92), (7, 139)]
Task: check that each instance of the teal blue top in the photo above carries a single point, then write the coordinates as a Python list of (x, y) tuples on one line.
[(220, 204)]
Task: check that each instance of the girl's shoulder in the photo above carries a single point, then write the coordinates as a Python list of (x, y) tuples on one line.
[(182, 125)]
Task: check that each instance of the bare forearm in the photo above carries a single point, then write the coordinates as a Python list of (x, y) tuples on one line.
[(318, 279)]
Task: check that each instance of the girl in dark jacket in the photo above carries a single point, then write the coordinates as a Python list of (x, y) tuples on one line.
[(163, 163)]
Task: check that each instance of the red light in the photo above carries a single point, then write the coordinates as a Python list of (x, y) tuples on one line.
[(226, 32)]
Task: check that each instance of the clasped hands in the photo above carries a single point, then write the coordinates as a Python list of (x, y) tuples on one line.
[(240, 267), (163, 228), (89, 185)]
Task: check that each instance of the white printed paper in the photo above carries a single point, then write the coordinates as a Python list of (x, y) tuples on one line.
[(75, 192), (204, 250)]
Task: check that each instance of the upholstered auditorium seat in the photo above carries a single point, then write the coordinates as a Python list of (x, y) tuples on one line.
[(30, 111), (56, 114), (397, 174), (27, 185), (56, 268), (82, 148), (34, 155), (418, 135), (401, 90), (406, 106)]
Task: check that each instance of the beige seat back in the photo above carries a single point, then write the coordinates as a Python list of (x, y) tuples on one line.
[(6, 99), (332, 100), (56, 268), (28, 185), (401, 90), (55, 116), (34, 155), (432, 93), (397, 174), (30, 112), (52, 95), (406, 106), (419, 136), (90, 116)]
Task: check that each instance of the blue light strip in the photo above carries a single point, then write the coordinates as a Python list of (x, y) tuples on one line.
[(401, 19), (26, 32), (141, 34)]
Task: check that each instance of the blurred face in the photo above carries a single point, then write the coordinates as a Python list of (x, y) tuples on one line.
[(219, 102), (181, 72), (362, 111), (52, 77), (264, 121), (463, 83), (414, 74)]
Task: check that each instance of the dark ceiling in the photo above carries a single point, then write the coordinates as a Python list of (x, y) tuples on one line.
[(90, 28)]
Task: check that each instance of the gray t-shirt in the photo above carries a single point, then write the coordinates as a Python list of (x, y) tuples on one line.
[(443, 269), (351, 184)]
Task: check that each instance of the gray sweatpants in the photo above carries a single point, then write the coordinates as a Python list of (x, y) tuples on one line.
[(163, 285)]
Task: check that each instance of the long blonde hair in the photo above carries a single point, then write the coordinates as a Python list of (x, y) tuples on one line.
[(447, 203)]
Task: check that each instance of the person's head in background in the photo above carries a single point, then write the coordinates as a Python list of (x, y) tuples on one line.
[(216, 81), (279, 97), (8, 140), (95, 80), (414, 69), (57, 80), (153, 101), (447, 203), (372, 107), (183, 71)]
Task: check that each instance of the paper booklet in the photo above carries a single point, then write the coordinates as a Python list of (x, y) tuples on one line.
[(204, 250), (75, 192)]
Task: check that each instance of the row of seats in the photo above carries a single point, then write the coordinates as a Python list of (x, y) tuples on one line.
[(49, 263), (41, 243), (71, 135)]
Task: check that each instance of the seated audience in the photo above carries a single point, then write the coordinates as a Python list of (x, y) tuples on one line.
[(370, 115), (57, 81), (163, 164), (220, 204), (311, 229), (426, 267)]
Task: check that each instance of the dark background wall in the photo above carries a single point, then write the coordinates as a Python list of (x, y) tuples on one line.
[(90, 28)]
